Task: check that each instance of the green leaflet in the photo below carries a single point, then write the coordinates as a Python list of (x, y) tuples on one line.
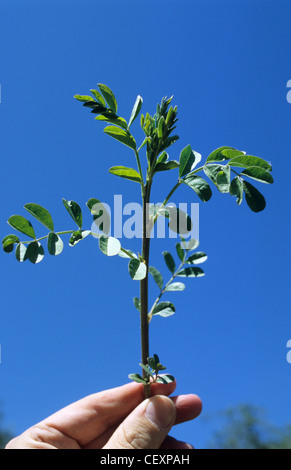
[(20, 252), (157, 276), (197, 258), (254, 198), (154, 363), (191, 272), (22, 225), (137, 269), (199, 185), (8, 243), (75, 212), (55, 244), (191, 244), (121, 135), (135, 110), (35, 252), (127, 173), (180, 251), (236, 189), (112, 119), (108, 96), (83, 98), (175, 287), (258, 174), (77, 236), (223, 153), (187, 158), (97, 108), (98, 97), (166, 379), (168, 165), (169, 261), (137, 378), (8, 246), (180, 222), (147, 369), (247, 161), (41, 214), (136, 303), (101, 216), (110, 246), (164, 309), (223, 180), (212, 171)]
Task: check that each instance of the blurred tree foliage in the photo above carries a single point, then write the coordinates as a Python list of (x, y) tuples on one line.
[(246, 427)]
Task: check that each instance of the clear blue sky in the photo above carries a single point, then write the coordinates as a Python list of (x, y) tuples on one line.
[(68, 325)]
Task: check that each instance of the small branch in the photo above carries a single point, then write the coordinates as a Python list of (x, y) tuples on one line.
[(164, 289), (46, 236)]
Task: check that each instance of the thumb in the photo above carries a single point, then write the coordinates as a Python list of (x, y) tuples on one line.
[(146, 427)]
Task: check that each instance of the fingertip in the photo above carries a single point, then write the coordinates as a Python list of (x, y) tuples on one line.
[(188, 407)]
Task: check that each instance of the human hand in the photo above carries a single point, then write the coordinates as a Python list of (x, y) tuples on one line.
[(118, 418)]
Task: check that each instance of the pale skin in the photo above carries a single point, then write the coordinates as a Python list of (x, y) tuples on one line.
[(118, 418)]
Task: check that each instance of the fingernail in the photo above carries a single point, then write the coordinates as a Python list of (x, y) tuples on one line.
[(161, 411)]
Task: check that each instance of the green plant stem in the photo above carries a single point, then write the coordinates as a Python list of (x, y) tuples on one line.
[(43, 238), (65, 232), (140, 172), (144, 323), (174, 189)]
